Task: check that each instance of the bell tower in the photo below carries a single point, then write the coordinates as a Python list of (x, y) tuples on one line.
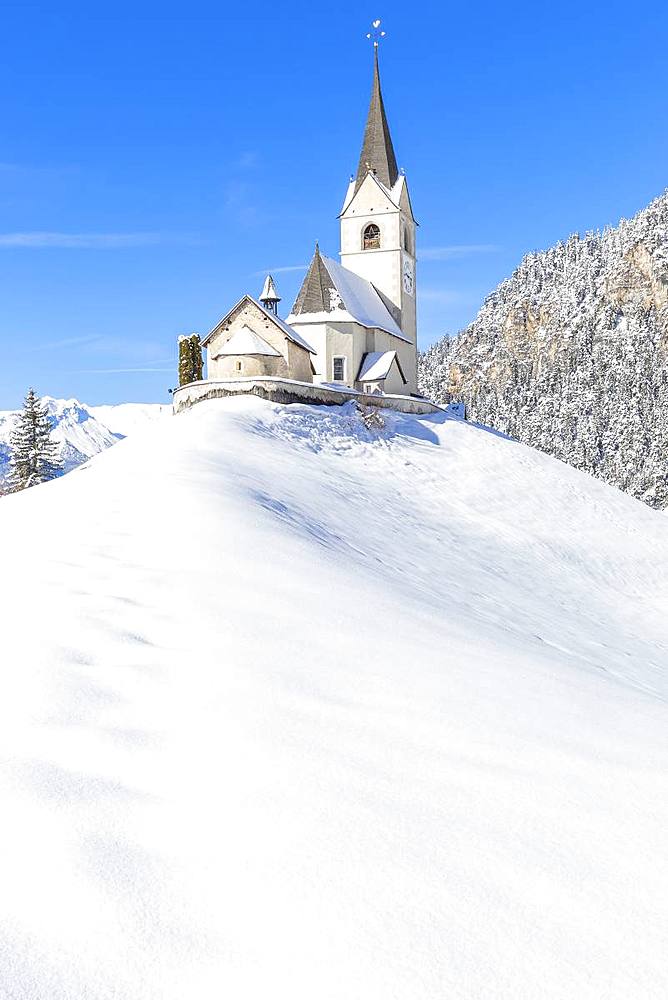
[(377, 222)]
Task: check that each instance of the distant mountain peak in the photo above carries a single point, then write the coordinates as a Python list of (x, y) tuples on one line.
[(81, 430)]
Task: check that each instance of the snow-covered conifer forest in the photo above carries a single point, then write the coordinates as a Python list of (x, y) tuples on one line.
[(570, 355)]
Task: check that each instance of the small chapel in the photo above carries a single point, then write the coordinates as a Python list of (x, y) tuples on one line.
[(353, 325)]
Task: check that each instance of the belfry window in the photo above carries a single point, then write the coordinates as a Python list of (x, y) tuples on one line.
[(371, 237)]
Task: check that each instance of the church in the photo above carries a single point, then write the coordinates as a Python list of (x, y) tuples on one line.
[(353, 325)]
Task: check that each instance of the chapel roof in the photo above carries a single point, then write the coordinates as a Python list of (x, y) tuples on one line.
[(330, 292)]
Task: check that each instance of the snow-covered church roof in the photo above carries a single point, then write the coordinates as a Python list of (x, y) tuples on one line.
[(376, 366), (330, 292)]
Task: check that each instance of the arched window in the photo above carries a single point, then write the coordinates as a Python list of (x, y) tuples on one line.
[(371, 237)]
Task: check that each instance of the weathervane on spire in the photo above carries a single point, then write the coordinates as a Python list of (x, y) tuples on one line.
[(376, 32)]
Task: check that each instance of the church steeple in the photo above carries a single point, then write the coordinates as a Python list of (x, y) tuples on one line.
[(377, 222), (377, 149)]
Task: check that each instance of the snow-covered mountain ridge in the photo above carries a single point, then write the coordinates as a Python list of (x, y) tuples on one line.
[(295, 708), (570, 355), (81, 430)]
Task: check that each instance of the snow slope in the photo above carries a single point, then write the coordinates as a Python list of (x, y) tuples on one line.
[(127, 418), (83, 431), (310, 712)]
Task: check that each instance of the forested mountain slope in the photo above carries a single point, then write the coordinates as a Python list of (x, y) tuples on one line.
[(570, 354)]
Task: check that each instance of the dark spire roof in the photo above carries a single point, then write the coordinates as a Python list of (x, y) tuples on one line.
[(314, 295), (377, 150)]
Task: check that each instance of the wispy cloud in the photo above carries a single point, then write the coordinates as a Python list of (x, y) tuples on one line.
[(56, 345), (281, 270), (124, 371), (78, 241), (91, 241), (458, 250)]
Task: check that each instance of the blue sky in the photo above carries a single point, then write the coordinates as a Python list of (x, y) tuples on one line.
[(157, 159)]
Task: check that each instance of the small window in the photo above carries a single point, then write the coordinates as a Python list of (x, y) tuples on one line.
[(407, 240), (339, 369), (371, 237), (368, 388), (238, 366)]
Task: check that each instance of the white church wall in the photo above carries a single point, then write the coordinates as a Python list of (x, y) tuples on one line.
[(246, 366), (315, 334), (335, 340), (394, 382), (299, 362), (383, 266), (349, 341), (352, 341)]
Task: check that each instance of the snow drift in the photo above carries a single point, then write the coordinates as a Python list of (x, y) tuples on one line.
[(295, 709)]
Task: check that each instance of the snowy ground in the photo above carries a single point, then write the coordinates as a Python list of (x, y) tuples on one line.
[(290, 710)]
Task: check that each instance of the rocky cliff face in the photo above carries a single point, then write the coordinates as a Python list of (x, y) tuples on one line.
[(570, 355)]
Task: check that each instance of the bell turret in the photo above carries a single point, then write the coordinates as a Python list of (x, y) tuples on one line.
[(269, 297)]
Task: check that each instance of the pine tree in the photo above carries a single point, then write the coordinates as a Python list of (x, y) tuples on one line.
[(195, 357), (190, 359), (184, 360), (35, 457)]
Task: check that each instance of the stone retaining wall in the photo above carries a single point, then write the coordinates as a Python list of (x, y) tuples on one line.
[(278, 390)]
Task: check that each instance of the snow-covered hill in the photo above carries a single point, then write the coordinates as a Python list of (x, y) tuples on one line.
[(81, 430), (570, 355), (295, 709)]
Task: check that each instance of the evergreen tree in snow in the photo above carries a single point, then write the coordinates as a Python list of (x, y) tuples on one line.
[(35, 456), (196, 356), (190, 359), (570, 355), (184, 360)]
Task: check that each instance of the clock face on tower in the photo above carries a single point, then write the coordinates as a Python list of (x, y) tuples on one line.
[(409, 276)]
